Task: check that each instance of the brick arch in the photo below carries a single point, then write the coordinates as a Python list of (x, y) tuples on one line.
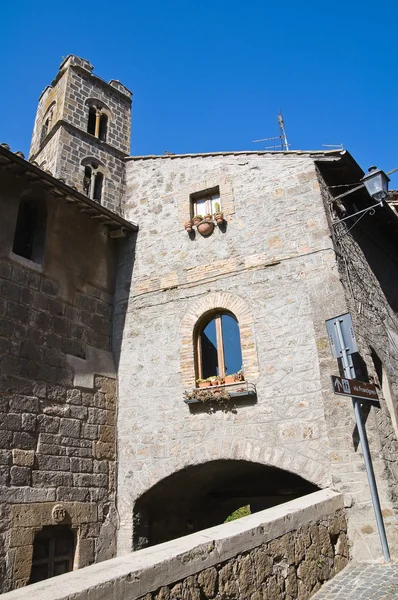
[(219, 301)]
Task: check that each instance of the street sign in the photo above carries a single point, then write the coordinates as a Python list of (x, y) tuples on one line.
[(347, 332), (354, 388)]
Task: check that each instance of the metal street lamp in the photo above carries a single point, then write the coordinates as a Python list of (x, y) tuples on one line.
[(376, 183)]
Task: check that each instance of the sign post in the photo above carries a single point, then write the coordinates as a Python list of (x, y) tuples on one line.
[(343, 344)]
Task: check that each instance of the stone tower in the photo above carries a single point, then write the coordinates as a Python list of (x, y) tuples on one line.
[(82, 132)]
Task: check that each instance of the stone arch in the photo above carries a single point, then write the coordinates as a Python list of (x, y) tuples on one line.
[(203, 495), (99, 164), (100, 104), (211, 302), (279, 457)]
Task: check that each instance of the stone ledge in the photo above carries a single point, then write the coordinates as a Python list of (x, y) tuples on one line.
[(137, 573)]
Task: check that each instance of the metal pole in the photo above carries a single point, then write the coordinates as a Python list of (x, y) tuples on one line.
[(349, 373)]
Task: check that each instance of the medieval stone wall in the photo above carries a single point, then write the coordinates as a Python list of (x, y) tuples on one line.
[(367, 257), (273, 266), (286, 552), (58, 400)]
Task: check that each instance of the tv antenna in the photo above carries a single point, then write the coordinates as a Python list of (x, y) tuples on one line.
[(283, 144)]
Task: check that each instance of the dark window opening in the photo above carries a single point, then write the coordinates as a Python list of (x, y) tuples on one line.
[(92, 115), (44, 130), (103, 127), (98, 183), (30, 231), (219, 351), (53, 553), (87, 180)]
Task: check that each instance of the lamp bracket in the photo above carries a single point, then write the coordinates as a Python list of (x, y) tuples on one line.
[(370, 210)]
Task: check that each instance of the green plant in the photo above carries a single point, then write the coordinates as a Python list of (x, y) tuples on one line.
[(217, 207), (197, 217), (243, 511)]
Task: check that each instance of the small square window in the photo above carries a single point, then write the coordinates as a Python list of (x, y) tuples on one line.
[(206, 202)]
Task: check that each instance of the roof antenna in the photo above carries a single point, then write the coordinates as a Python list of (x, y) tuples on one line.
[(283, 143)]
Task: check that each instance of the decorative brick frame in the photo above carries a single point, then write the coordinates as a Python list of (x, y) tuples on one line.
[(29, 519), (226, 197), (218, 301)]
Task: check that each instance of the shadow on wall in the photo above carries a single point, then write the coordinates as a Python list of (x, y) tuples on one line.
[(204, 495), (125, 264)]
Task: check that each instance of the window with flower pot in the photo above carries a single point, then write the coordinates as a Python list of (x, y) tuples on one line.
[(218, 347), (206, 202)]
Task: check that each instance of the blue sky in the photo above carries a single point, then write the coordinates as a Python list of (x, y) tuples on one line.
[(212, 75)]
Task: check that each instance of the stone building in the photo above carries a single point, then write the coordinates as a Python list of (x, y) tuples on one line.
[(106, 328)]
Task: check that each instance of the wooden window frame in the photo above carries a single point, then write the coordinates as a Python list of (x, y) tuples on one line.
[(219, 341), (208, 196)]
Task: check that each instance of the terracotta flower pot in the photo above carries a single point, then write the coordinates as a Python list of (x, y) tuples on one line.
[(219, 218), (205, 227), (229, 379), (208, 218), (203, 384), (188, 226), (239, 377), (197, 220)]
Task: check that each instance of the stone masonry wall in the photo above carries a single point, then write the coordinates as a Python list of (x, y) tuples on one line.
[(57, 429), (274, 255), (68, 143), (291, 567), (285, 552), (74, 147), (367, 258)]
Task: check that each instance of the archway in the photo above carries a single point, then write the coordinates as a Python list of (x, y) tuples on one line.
[(204, 495)]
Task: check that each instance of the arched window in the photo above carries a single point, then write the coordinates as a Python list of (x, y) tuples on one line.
[(103, 127), (47, 123), (92, 112), (93, 182), (218, 346), (30, 230), (53, 553), (97, 123)]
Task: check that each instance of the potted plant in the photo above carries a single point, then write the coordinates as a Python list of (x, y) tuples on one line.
[(188, 226), (197, 219), (239, 376), (208, 218), (205, 227), (202, 383), (218, 215), (229, 378)]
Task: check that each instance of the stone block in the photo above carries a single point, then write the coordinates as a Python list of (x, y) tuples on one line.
[(20, 476), (90, 480), (53, 463), (23, 458), (24, 440), (51, 479), (70, 428), (81, 465), (29, 422)]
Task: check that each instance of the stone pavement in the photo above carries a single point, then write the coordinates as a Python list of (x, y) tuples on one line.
[(362, 581)]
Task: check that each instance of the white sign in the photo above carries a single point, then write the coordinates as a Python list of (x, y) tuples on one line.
[(347, 331)]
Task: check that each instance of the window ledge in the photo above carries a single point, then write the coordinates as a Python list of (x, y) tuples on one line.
[(26, 262), (218, 394)]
